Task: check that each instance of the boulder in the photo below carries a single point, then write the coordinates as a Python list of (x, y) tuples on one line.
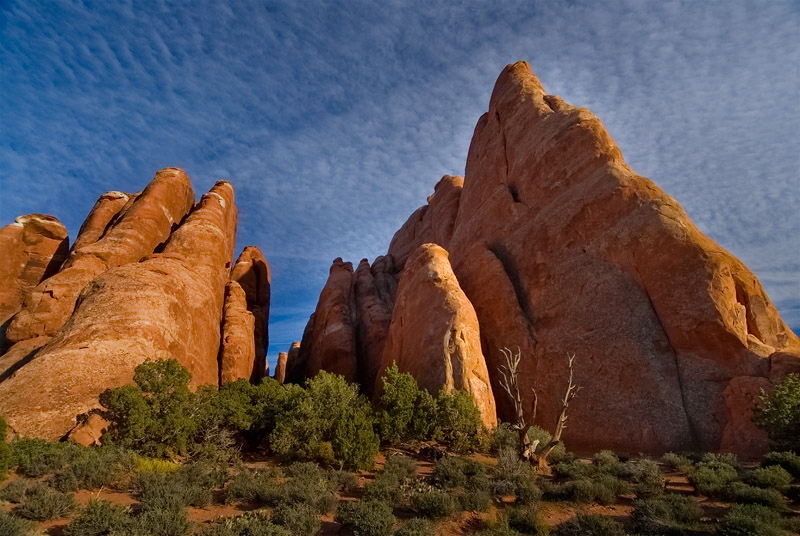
[(169, 305), (145, 224), (237, 358), (434, 333)]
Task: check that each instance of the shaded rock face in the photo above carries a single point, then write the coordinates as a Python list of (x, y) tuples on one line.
[(252, 272), (145, 223), (434, 333), (31, 250), (347, 331), (562, 249), (237, 349), (158, 293)]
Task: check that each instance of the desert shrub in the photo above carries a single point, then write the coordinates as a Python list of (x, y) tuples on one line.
[(458, 421), (711, 475), (527, 490), (308, 484), (602, 488), (590, 525), (11, 525), (559, 453), (779, 414), (93, 468), (742, 493), (405, 412), (250, 486), (14, 491), (172, 491), (574, 469), (248, 524), (527, 521), (476, 500), (645, 475), (460, 472), (677, 462), (788, 460), (43, 502), (666, 514), (308, 427), (36, 457), (388, 481), (343, 480), (503, 437), (155, 416), (751, 519), (773, 476), (160, 522), (366, 518), (515, 476), (99, 518), (355, 443), (5, 450), (606, 459), (416, 527), (299, 519), (432, 503)]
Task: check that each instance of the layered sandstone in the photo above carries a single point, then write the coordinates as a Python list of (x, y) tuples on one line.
[(252, 272), (434, 333), (31, 250), (169, 305), (237, 352), (139, 229)]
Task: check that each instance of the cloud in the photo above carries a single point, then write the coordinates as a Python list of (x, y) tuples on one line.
[(334, 120)]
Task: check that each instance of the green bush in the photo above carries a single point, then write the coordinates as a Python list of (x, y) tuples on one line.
[(458, 421), (773, 476), (476, 500), (299, 519), (559, 453), (677, 463), (606, 459), (36, 457), (100, 517), (387, 483), (712, 475), (432, 503), (742, 493), (779, 414), (155, 416), (93, 468), (343, 480), (5, 450), (503, 437), (603, 488), (256, 487), (171, 491), (405, 412), (574, 469), (590, 525), (248, 524), (645, 475), (42, 503), (527, 521), (355, 443), (666, 514), (366, 518), (788, 460), (13, 526), (460, 472), (751, 519), (416, 527), (15, 491), (308, 484), (161, 522)]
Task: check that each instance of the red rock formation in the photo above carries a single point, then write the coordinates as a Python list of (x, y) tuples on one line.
[(237, 349), (252, 272), (167, 306), (31, 250), (280, 367), (434, 333), (102, 214), (295, 369), (145, 223), (561, 248), (432, 223)]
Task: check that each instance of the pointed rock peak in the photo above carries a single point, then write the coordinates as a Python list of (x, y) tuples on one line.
[(519, 74), (43, 224), (339, 264)]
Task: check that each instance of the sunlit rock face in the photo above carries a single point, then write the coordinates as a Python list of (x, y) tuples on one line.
[(562, 249), (146, 279)]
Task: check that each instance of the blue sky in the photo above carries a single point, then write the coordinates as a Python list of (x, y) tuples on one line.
[(334, 120)]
